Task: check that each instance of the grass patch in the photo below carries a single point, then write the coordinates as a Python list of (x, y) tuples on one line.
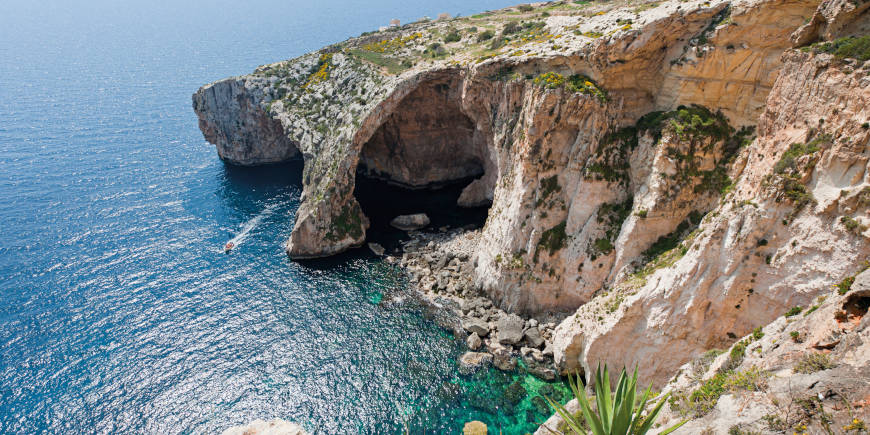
[(849, 47), (793, 311), (393, 65), (703, 399), (845, 285), (853, 225), (813, 362)]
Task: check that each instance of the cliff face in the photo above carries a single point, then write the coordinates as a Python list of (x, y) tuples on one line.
[(638, 161)]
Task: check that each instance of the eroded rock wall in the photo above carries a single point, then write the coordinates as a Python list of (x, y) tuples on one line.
[(230, 117), (774, 242)]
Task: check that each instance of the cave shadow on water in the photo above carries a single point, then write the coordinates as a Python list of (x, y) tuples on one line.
[(240, 180), (381, 201)]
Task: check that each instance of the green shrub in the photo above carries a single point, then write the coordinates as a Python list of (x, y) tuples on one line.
[(852, 224), (585, 85), (845, 285), (795, 336), (525, 8), (511, 27), (453, 36), (757, 334), (796, 150), (549, 80), (485, 35), (619, 412), (813, 362), (704, 398), (793, 311), (847, 47), (552, 240), (496, 43), (434, 50), (549, 186), (612, 217)]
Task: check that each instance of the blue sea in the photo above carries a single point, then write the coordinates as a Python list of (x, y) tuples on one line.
[(119, 312)]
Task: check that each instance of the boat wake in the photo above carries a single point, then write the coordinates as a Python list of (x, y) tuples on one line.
[(247, 227)]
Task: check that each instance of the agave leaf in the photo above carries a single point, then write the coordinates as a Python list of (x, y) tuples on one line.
[(626, 393), (640, 407), (591, 419), (570, 420), (603, 398), (673, 428), (651, 418)]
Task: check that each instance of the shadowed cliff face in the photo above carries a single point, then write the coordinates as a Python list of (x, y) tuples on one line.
[(426, 140), (230, 117)]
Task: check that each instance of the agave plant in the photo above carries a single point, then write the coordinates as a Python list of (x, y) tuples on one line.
[(617, 413)]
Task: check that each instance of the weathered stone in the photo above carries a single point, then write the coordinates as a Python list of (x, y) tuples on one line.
[(410, 222), (476, 326), (470, 362), (503, 360), (533, 337), (510, 329), (473, 341)]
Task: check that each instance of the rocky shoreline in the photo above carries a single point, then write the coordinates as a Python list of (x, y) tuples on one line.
[(439, 267)]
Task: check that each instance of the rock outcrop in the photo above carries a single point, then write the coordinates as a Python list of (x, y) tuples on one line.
[(808, 371), (668, 176), (262, 427)]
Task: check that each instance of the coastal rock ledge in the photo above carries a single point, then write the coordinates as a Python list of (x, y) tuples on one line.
[(262, 427), (662, 177)]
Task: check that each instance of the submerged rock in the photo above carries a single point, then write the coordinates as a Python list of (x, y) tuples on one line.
[(503, 360), (470, 362), (410, 222), (474, 428)]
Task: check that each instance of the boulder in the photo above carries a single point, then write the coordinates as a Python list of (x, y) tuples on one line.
[(470, 362), (377, 249), (473, 341), (548, 350), (533, 337), (474, 428), (475, 326), (410, 222), (510, 329), (503, 360)]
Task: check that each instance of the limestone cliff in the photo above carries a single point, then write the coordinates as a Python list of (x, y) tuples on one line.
[(675, 172)]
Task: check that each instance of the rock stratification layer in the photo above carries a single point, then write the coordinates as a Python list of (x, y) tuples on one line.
[(673, 173)]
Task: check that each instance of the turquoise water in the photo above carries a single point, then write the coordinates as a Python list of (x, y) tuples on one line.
[(119, 311)]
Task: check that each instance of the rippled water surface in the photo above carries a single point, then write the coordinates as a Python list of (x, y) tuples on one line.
[(119, 311)]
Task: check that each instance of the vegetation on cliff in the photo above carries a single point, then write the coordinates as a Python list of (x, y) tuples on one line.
[(614, 412)]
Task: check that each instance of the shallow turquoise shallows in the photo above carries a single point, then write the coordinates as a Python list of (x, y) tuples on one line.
[(119, 312)]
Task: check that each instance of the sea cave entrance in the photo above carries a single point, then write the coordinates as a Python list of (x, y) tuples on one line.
[(420, 160)]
